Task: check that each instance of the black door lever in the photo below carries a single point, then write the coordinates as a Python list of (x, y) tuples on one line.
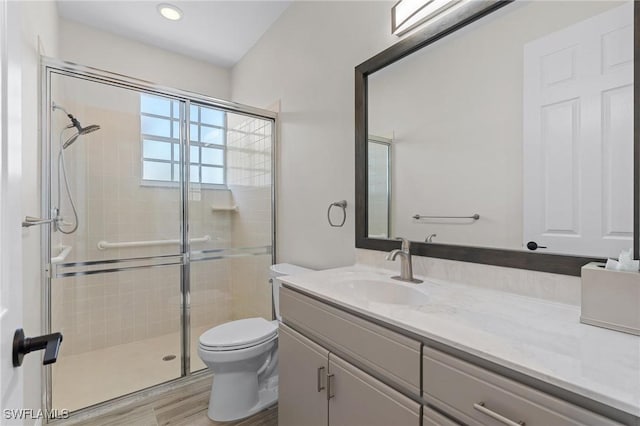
[(24, 345), (532, 245)]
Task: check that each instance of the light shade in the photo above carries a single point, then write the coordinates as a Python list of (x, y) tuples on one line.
[(408, 14), (170, 11)]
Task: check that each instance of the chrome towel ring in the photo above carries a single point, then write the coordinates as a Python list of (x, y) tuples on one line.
[(343, 205)]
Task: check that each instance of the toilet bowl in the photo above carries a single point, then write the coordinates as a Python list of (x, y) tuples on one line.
[(243, 357)]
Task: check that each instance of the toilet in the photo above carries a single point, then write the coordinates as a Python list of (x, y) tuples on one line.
[(243, 357)]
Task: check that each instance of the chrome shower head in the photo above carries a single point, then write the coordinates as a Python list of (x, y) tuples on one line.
[(81, 131), (75, 123), (89, 129)]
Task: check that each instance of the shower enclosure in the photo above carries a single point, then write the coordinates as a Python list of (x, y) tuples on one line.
[(161, 208)]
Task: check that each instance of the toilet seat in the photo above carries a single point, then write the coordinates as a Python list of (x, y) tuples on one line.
[(238, 334)]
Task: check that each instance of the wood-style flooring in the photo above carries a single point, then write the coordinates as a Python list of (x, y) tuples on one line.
[(180, 407)]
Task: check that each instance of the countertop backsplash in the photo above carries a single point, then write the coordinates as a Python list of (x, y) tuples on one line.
[(542, 285)]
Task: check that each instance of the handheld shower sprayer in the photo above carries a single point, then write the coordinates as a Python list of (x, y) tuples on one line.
[(58, 221), (74, 123)]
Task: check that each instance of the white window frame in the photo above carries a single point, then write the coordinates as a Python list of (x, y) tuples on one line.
[(175, 140)]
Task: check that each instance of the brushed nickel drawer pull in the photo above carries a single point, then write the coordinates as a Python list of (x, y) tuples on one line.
[(480, 406), (319, 377), (329, 394)]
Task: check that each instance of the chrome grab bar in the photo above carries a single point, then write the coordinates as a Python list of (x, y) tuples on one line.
[(103, 245), (418, 216), (480, 406), (64, 252)]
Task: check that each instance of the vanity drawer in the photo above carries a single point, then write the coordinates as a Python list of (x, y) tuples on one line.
[(479, 397), (390, 356), (431, 417)]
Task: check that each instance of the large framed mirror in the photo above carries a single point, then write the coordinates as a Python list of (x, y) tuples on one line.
[(504, 133)]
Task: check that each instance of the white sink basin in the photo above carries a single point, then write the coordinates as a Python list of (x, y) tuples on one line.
[(375, 291)]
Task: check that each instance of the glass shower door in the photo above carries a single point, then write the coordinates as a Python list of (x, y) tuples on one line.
[(116, 246), (230, 219)]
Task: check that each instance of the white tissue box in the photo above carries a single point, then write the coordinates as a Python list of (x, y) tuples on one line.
[(610, 299)]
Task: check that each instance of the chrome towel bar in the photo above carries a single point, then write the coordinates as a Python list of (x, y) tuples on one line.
[(474, 217)]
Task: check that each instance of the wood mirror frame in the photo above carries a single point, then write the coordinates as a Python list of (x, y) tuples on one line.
[(554, 263)]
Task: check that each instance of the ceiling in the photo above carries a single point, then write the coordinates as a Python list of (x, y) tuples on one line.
[(218, 32)]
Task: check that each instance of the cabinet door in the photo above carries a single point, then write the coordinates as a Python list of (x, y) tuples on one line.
[(357, 399), (302, 380)]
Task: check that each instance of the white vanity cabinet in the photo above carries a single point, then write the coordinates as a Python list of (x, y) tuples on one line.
[(341, 369), (319, 388), (394, 358)]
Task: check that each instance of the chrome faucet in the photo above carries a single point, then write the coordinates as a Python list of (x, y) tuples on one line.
[(406, 270)]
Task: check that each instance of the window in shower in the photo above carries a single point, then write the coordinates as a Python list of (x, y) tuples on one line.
[(160, 129)]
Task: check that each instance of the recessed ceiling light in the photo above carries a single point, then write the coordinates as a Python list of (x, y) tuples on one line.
[(170, 11)]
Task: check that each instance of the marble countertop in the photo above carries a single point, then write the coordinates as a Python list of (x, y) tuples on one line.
[(542, 339)]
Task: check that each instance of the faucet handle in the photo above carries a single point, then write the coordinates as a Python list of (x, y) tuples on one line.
[(406, 244)]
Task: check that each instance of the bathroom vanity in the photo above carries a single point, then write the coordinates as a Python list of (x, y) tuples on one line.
[(360, 348)]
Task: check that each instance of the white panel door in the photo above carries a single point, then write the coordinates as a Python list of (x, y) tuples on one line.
[(578, 137), (11, 388)]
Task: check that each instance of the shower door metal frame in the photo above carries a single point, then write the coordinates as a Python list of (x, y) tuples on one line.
[(51, 66)]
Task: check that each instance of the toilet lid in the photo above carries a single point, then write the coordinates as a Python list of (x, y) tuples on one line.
[(238, 334)]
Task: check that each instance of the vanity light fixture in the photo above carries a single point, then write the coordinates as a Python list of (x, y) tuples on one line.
[(408, 14), (170, 11)]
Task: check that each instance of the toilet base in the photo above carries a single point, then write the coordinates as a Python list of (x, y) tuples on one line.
[(267, 396)]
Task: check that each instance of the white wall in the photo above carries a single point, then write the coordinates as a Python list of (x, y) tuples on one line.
[(39, 24), (87, 46), (11, 289), (306, 60)]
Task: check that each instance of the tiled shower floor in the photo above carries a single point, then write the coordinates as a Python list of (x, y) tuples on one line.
[(89, 378)]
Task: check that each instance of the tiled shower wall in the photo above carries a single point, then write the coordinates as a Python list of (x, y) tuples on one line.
[(95, 311), (249, 179)]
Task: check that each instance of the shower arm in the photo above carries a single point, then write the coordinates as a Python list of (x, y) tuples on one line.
[(55, 106)]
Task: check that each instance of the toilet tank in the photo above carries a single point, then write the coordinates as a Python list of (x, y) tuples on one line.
[(280, 270)]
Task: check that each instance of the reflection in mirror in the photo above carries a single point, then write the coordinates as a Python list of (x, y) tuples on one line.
[(379, 193), (524, 117)]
